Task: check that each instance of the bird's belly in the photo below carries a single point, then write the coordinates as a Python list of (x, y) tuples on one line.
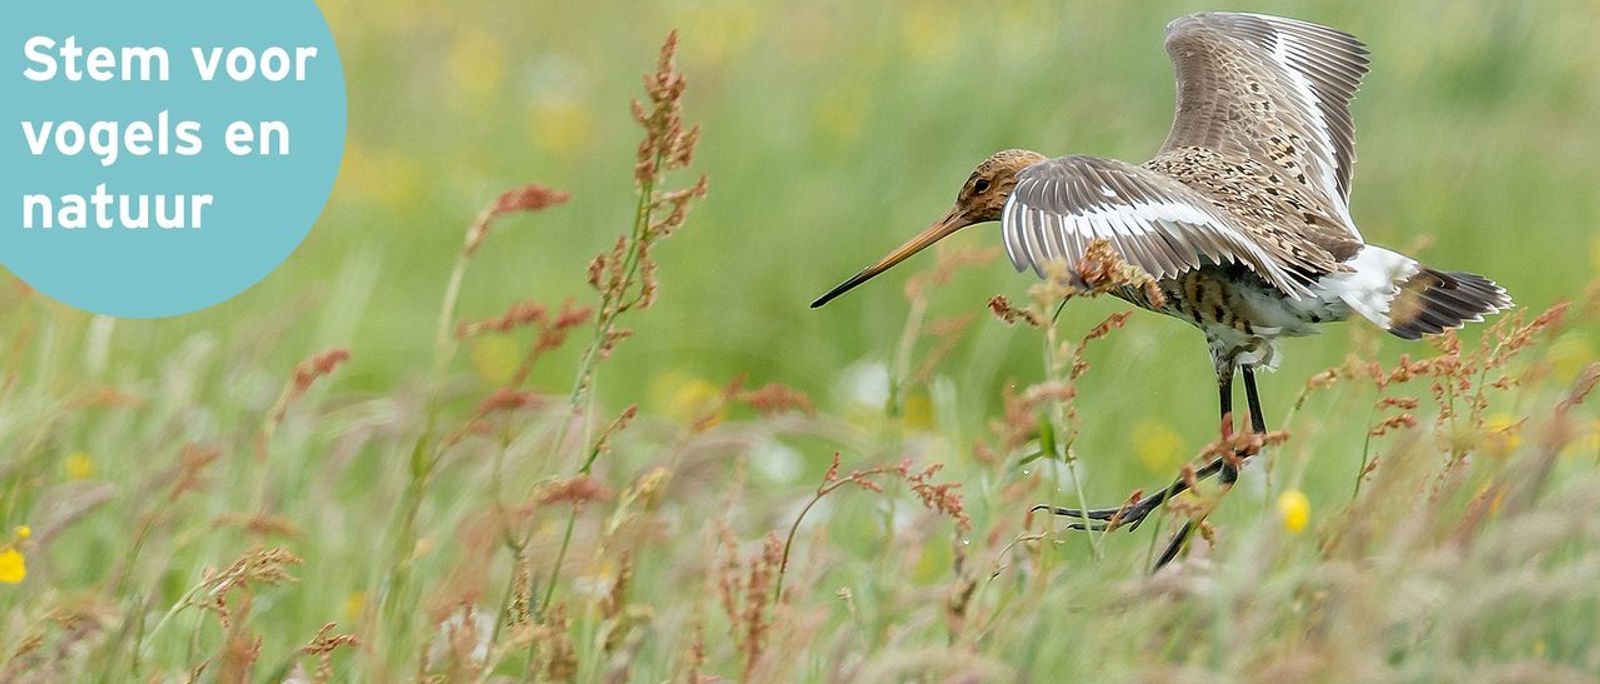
[(1230, 302)]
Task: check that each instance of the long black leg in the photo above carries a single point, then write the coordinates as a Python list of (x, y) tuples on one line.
[(1258, 421), (1258, 425), (1230, 472), (1174, 546)]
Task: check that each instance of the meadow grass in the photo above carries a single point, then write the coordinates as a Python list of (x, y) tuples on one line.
[(419, 456)]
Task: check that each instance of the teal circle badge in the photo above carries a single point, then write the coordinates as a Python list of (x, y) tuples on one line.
[(164, 156)]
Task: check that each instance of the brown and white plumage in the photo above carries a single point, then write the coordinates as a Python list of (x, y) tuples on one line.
[(1158, 222), (1274, 89), (1255, 174), (1262, 135), (1243, 214), (1242, 217)]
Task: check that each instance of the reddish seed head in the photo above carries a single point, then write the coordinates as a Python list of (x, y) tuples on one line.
[(775, 398), (508, 399), (321, 365), (576, 491), (531, 197)]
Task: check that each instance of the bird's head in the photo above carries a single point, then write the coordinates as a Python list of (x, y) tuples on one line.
[(982, 199)]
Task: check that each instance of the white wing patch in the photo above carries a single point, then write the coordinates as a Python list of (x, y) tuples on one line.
[(1293, 56), (1061, 206)]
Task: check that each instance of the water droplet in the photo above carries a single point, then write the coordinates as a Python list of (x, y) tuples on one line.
[(966, 542)]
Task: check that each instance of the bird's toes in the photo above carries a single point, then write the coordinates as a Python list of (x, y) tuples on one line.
[(1098, 514)]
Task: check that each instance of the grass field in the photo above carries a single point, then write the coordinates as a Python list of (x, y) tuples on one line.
[(402, 459)]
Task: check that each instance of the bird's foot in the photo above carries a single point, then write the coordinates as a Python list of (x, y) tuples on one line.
[(1133, 513), (1129, 515)]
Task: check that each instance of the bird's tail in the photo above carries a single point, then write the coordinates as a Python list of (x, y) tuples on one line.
[(1411, 300)]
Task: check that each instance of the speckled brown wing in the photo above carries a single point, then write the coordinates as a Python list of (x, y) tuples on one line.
[(1153, 221), (1280, 215), (1271, 89)]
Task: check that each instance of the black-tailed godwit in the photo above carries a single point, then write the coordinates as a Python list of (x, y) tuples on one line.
[(1242, 217)]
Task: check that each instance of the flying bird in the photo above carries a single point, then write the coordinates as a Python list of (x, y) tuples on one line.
[(1242, 217)]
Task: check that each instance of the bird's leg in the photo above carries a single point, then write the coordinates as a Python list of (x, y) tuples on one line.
[(1134, 514), (1229, 472), (1258, 425)]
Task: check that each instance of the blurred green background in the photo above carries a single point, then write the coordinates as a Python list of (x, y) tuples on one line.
[(833, 130)]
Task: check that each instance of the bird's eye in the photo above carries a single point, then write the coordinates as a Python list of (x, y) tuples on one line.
[(981, 185)]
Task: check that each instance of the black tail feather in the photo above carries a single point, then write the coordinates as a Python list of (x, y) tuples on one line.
[(1432, 302)]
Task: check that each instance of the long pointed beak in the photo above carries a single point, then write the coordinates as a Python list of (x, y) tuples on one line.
[(952, 222)]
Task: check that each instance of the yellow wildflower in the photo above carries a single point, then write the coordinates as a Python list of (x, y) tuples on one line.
[(1503, 434), (688, 399), (1294, 510), (919, 413), (355, 606), (23, 532), (496, 358), (13, 567), (1158, 447), (79, 466)]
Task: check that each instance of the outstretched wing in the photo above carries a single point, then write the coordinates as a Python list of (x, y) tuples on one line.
[(1154, 222), (1272, 88)]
